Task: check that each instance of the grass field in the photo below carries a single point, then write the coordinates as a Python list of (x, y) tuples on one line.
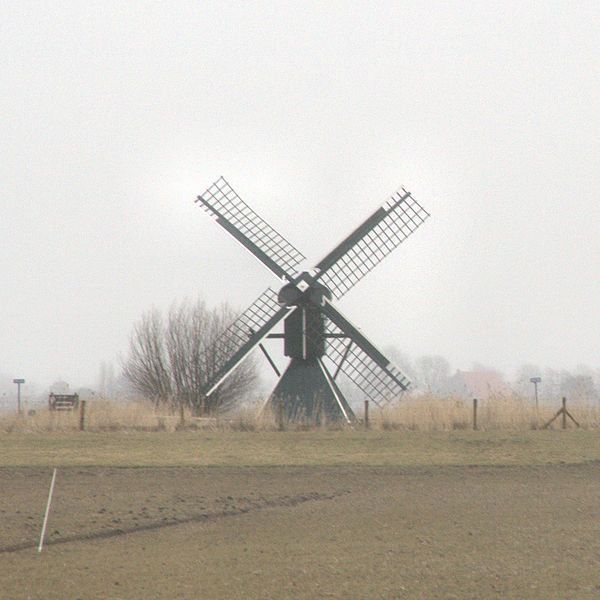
[(315, 514), (318, 448)]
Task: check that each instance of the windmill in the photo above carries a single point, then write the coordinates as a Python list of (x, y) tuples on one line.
[(320, 342)]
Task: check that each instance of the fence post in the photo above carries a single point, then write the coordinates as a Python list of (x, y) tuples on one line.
[(366, 420), (82, 415), (474, 414), (564, 413)]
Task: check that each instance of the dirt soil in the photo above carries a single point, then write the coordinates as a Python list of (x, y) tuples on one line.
[(302, 532)]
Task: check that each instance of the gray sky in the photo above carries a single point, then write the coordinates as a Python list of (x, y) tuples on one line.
[(114, 116)]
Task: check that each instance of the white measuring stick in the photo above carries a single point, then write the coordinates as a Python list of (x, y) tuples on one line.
[(47, 511)]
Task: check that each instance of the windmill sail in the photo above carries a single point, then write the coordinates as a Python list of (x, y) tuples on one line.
[(350, 352), (243, 335), (253, 232), (370, 243)]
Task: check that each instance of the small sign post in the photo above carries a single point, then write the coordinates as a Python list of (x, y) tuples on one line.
[(18, 382), (535, 381)]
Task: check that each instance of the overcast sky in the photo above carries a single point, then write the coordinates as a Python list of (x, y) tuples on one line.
[(115, 115)]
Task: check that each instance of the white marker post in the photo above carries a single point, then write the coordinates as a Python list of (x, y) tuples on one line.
[(47, 511)]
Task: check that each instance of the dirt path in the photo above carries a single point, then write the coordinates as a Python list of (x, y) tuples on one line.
[(304, 532)]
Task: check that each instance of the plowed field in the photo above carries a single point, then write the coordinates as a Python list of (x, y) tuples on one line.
[(343, 531)]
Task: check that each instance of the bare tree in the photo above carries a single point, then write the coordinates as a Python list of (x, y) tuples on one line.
[(107, 383), (578, 387), (171, 361), (523, 385), (403, 361), (146, 368), (433, 373)]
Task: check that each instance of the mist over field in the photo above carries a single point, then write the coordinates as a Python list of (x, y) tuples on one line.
[(116, 116)]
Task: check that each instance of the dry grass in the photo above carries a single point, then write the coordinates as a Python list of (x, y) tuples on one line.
[(106, 415), (100, 415), (423, 413), (431, 413)]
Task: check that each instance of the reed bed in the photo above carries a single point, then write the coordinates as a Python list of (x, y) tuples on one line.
[(434, 413), (414, 413), (100, 415)]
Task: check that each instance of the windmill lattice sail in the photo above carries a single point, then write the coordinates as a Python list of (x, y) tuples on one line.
[(231, 212), (368, 245), (351, 353), (246, 332), (379, 384)]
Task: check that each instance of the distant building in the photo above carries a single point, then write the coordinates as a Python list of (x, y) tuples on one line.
[(478, 384)]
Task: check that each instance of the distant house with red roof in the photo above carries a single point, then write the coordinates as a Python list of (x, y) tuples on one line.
[(478, 384)]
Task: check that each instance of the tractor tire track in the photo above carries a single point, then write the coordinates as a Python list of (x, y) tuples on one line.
[(280, 502)]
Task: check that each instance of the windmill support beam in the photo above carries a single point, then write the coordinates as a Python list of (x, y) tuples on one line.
[(271, 362), (306, 390), (341, 401), (344, 357)]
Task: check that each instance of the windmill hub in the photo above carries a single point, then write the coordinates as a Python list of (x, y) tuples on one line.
[(304, 292)]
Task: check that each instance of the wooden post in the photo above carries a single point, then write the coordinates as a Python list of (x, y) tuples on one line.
[(181, 415), (366, 420), (564, 413), (474, 414), (82, 415)]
